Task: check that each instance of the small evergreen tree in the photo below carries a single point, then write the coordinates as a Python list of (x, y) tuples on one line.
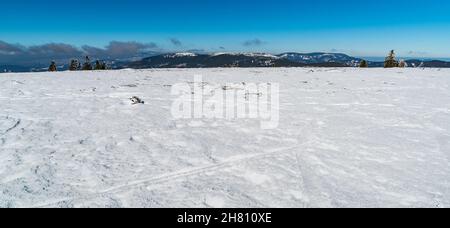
[(390, 61), (98, 65), (363, 64), (104, 66), (87, 64), (74, 65), (52, 67), (402, 64)]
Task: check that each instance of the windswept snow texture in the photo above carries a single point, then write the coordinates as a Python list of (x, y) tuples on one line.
[(347, 138)]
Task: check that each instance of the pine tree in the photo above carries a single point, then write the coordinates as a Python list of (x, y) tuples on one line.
[(390, 61), (104, 66), (87, 64), (98, 65), (52, 67), (74, 65), (363, 64)]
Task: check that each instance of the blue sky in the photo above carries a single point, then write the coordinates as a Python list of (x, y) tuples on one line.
[(361, 28)]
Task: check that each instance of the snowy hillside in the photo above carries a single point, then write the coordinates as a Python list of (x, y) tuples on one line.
[(346, 138)]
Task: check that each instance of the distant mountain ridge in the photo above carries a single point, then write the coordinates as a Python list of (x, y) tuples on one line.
[(213, 60), (321, 57), (192, 60)]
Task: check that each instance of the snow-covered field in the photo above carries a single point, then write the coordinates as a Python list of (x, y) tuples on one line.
[(346, 138)]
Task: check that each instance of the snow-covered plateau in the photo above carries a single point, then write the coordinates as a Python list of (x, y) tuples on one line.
[(346, 137)]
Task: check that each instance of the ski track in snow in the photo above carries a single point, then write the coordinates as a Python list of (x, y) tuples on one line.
[(347, 138), (171, 176)]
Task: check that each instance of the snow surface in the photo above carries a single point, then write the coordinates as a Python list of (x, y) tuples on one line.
[(347, 138), (248, 54), (181, 54)]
